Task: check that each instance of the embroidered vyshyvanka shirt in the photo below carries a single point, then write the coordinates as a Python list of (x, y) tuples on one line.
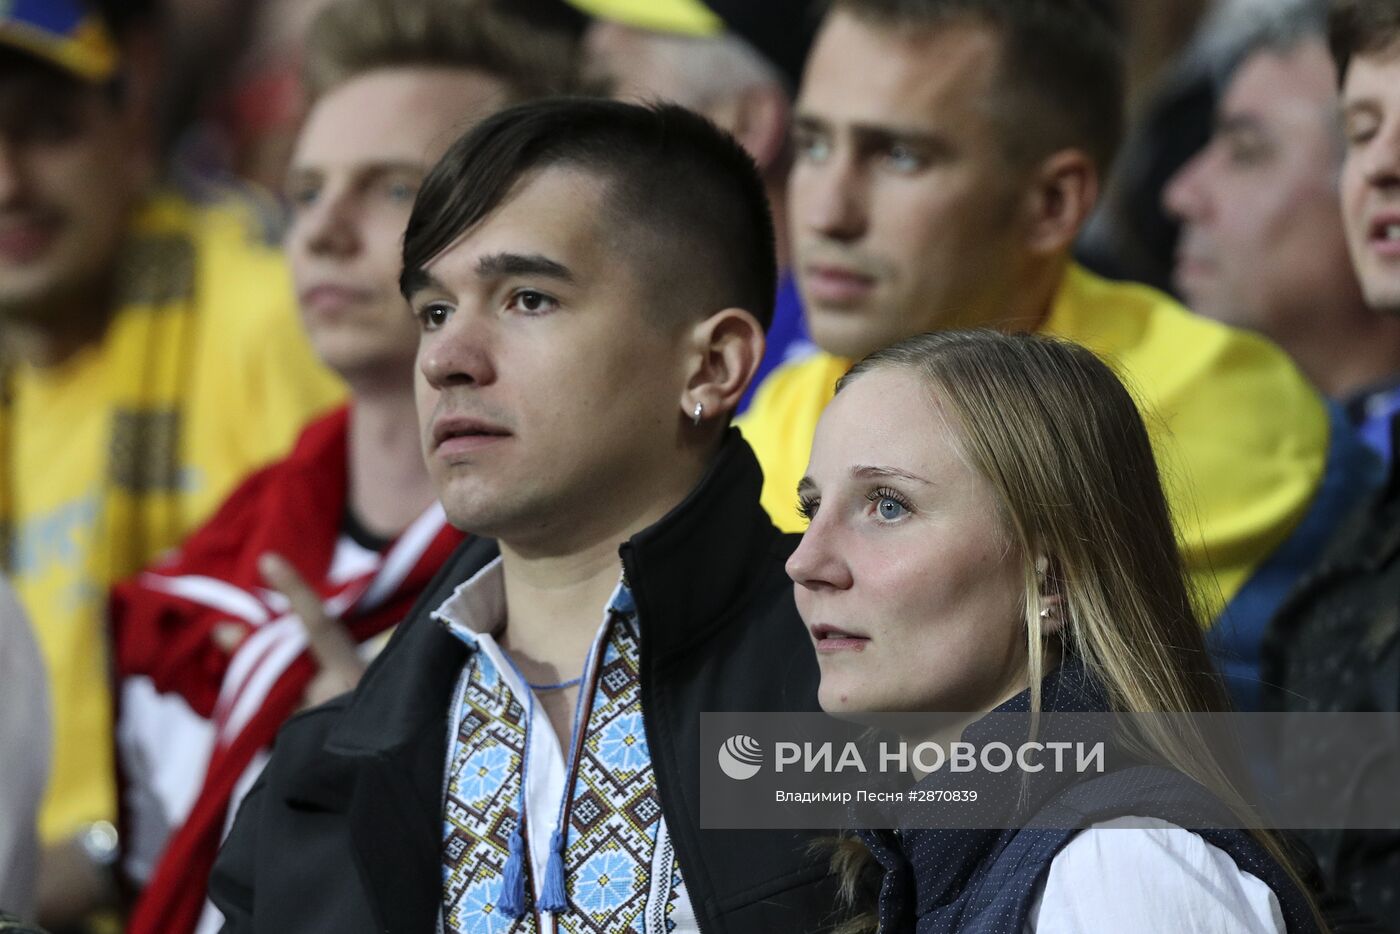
[(621, 872)]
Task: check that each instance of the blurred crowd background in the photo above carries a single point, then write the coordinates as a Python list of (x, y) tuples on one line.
[(208, 100)]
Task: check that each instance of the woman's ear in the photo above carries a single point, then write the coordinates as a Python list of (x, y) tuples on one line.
[(726, 350), (1051, 596), (1052, 614)]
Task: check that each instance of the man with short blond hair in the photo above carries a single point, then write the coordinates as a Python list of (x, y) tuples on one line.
[(279, 600), (948, 154)]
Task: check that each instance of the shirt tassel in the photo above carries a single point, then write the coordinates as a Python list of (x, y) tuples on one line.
[(512, 900), (555, 898)]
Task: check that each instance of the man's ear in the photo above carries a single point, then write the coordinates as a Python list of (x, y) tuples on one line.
[(1062, 194), (761, 124), (725, 352)]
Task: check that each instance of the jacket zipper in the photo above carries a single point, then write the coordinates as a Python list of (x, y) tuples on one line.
[(643, 656)]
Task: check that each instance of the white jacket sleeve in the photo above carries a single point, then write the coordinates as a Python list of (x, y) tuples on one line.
[(1150, 877)]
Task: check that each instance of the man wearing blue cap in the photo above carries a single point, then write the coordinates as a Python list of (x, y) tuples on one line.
[(155, 359)]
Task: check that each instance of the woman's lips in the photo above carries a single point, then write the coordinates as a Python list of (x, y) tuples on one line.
[(831, 639)]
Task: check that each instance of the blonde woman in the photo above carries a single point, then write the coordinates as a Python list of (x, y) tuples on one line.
[(988, 533)]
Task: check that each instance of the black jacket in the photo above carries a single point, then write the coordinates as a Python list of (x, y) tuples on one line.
[(342, 833)]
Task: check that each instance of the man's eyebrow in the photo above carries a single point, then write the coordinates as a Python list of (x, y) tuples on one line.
[(1239, 123), (877, 133), (503, 265), (417, 280), (298, 171), (866, 471)]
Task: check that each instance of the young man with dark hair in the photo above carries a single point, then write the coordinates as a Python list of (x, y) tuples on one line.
[(592, 281), (948, 153), (153, 359)]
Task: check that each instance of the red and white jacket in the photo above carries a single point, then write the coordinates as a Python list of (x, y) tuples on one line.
[(195, 721)]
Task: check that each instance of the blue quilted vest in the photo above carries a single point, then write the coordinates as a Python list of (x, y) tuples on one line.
[(985, 881)]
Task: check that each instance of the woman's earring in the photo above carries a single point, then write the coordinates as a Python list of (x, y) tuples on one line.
[(699, 411)]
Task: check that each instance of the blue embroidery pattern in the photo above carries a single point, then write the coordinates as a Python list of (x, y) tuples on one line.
[(479, 810), (614, 838)]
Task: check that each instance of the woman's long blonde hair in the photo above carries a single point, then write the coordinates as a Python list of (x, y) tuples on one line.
[(1065, 450)]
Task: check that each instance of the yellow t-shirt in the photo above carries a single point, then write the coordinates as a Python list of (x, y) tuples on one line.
[(115, 455), (1240, 437)]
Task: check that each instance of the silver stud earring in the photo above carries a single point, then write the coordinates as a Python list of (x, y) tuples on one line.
[(699, 411)]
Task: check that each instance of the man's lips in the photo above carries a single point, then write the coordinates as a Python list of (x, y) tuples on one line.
[(331, 298), (1383, 234), (26, 240), (831, 639), (455, 435), (830, 284), (1192, 266)]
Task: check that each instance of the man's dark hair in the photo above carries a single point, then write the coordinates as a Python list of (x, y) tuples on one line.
[(1358, 27), (684, 196), (1060, 72)]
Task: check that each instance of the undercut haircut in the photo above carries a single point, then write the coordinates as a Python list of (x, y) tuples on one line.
[(1060, 71), (1360, 27), (352, 37), (682, 197)]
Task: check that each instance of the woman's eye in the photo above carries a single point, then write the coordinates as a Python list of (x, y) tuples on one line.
[(890, 508)]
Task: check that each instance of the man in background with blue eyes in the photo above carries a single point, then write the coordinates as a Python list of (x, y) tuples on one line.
[(948, 153), (592, 280), (309, 564)]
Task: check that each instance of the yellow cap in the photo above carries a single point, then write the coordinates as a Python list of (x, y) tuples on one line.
[(683, 17)]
